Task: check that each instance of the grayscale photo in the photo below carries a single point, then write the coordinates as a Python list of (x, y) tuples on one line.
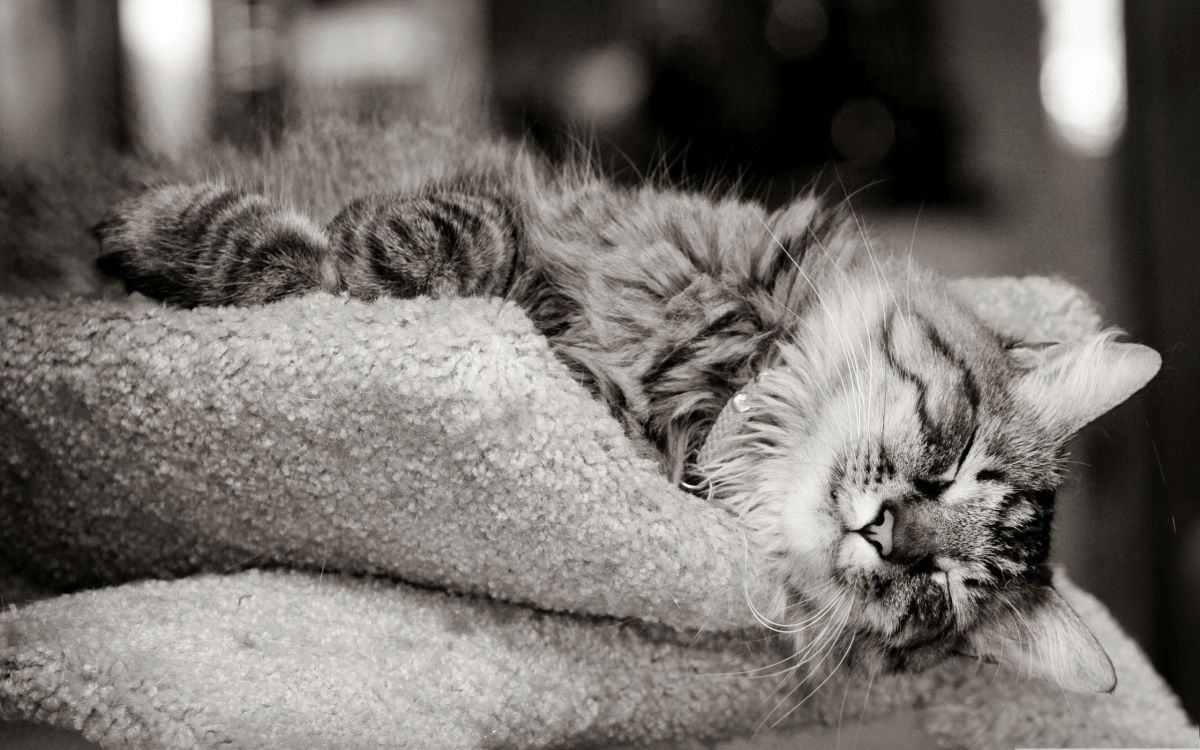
[(724, 374)]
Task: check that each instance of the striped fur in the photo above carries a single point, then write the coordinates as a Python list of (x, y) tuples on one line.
[(447, 240), (212, 245), (881, 404)]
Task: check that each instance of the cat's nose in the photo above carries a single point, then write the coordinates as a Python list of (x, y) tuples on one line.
[(879, 531), (902, 533)]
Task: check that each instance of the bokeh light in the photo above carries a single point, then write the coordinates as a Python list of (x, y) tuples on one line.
[(169, 49), (1083, 72), (797, 28)]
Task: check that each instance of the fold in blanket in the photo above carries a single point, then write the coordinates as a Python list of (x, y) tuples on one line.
[(435, 443), (439, 442), (292, 660)]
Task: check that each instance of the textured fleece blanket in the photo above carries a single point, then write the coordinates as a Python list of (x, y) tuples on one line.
[(465, 550)]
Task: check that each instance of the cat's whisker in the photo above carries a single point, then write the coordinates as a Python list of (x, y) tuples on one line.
[(817, 648), (779, 627), (801, 682), (1055, 651), (862, 393), (824, 305), (788, 670), (828, 636), (866, 701), (822, 645), (751, 671), (823, 347), (858, 390), (912, 242), (820, 685), (841, 712), (800, 625), (814, 616), (848, 200), (879, 281), (762, 672)]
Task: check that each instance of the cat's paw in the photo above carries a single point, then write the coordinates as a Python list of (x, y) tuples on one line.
[(207, 244), (115, 259), (455, 239), (145, 240)]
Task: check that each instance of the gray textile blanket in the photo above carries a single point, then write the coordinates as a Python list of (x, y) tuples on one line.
[(462, 548)]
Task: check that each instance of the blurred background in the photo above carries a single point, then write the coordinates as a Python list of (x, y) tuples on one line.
[(1053, 137)]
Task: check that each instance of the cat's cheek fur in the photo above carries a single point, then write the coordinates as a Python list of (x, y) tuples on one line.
[(808, 525), (787, 500)]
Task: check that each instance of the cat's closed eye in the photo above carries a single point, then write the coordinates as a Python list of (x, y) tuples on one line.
[(931, 487)]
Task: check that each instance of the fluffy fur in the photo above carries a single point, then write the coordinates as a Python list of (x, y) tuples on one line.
[(897, 458)]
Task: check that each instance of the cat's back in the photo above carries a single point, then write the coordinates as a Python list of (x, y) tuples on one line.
[(647, 243)]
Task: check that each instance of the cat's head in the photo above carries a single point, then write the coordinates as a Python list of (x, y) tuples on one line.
[(901, 460)]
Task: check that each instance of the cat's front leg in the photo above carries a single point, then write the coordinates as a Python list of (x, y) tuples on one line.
[(456, 239), (208, 244)]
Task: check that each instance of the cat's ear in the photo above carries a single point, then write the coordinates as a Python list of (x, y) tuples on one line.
[(795, 218), (801, 227), (1046, 640), (1071, 384)]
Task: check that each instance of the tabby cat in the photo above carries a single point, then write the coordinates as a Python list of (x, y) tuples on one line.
[(896, 457)]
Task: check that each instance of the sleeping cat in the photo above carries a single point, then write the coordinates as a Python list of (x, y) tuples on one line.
[(896, 457)]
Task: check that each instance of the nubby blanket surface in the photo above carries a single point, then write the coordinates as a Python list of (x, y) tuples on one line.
[(402, 524)]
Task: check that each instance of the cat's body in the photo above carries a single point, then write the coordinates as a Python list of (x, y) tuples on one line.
[(896, 458), (663, 303)]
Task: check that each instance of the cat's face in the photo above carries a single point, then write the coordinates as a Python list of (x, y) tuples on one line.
[(907, 459)]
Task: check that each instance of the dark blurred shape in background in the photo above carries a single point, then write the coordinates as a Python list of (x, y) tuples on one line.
[(990, 138)]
